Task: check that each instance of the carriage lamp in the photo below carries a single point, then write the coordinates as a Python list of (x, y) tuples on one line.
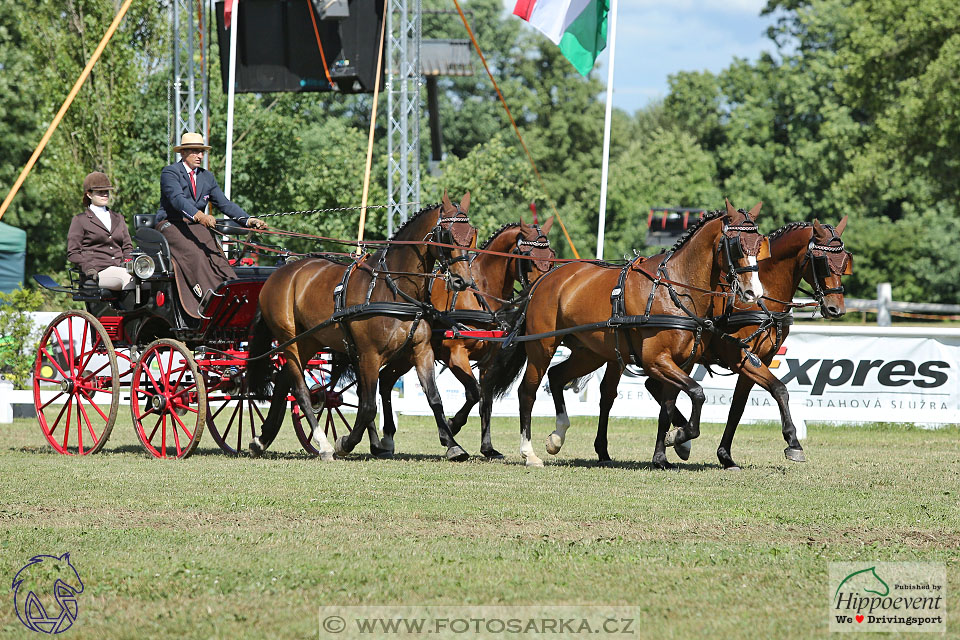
[(143, 266)]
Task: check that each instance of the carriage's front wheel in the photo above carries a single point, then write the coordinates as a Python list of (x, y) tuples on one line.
[(168, 400), (76, 366)]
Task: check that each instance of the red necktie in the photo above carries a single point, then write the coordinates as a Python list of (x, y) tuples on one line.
[(193, 183)]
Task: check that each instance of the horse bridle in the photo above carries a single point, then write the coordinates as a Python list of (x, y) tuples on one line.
[(832, 258), (450, 231), (526, 248), (732, 246)]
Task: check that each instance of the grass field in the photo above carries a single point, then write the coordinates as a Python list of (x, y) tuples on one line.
[(241, 548)]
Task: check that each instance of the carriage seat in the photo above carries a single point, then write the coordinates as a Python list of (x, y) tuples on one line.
[(152, 242), (148, 220)]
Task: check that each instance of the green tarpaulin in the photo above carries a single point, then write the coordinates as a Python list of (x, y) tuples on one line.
[(13, 252)]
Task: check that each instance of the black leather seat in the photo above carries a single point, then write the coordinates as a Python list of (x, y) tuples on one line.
[(148, 220)]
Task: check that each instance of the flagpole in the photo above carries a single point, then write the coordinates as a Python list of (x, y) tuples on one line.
[(231, 92), (606, 130)]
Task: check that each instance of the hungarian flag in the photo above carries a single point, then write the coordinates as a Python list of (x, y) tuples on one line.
[(578, 27)]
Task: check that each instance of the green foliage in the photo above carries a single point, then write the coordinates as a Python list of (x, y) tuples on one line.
[(18, 335)]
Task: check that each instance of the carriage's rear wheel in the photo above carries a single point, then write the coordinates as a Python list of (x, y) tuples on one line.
[(234, 419), (168, 400), (327, 402), (75, 358)]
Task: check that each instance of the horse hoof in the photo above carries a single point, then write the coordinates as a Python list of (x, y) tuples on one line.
[(671, 438), (492, 454), (683, 449), (340, 447), (607, 463), (794, 455), (665, 465), (533, 461), (381, 454), (387, 444), (256, 449), (457, 454), (326, 456), (554, 443), (732, 468)]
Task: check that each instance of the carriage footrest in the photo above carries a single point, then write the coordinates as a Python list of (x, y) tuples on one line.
[(450, 333)]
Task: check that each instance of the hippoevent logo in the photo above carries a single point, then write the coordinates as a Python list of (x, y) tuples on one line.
[(888, 596), (45, 594)]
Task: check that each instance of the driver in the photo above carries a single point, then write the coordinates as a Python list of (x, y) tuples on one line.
[(185, 190)]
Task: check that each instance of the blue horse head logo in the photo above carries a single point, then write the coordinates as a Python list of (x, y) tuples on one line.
[(45, 593)]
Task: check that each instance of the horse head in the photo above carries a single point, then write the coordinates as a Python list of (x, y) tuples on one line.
[(533, 243), (827, 262), (741, 247), (454, 228)]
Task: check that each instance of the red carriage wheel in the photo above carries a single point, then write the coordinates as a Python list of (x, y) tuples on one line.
[(328, 402), (168, 400), (233, 417), (76, 366)]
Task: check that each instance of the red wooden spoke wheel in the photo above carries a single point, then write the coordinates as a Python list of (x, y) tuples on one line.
[(327, 401), (168, 400), (234, 418), (76, 386)]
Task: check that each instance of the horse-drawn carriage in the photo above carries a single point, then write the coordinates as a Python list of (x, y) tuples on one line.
[(382, 315), (182, 373)]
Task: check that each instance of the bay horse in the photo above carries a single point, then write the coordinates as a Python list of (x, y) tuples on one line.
[(812, 252), (372, 310), (798, 251), (576, 303), (495, 278)]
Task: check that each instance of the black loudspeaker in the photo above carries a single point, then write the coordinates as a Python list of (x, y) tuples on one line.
[(278, 50)]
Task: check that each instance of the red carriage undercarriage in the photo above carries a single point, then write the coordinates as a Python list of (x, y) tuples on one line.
[(182, 374)]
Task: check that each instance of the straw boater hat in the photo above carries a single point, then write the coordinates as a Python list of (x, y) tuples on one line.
[(95, 181), (190, 140)]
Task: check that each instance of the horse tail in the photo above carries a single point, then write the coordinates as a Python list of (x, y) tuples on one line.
[(510, 357), (258, 371)]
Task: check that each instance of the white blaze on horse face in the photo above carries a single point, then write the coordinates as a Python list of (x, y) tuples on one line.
[(753, 290), (526, 452)]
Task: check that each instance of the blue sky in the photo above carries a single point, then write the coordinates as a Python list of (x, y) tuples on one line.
[(657, 38)]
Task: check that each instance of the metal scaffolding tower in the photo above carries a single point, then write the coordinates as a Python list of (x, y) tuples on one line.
[(403, 103), (190, 82)]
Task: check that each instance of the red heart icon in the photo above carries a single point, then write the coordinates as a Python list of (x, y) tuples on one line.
[(859, 618)]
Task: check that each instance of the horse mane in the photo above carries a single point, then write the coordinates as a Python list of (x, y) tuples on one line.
[(498, 232), (414, 217), (713, 215), (787, 228)]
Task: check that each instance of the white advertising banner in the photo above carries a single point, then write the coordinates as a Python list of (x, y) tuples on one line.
[(834, 373)]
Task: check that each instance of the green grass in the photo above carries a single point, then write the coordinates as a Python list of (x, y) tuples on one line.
[(242, 548)]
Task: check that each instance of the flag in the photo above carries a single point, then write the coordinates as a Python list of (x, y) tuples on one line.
[(227, 13), (578, 27)]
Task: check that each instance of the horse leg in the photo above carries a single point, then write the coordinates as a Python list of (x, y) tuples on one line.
[(539, 354), (608, 393), (459, 364), (274, 419), (580, 363), (301, 394), (668, 405), (424, 361), (655, 388), (667, 370), (486, 410), (388, 377), (368, 371)]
